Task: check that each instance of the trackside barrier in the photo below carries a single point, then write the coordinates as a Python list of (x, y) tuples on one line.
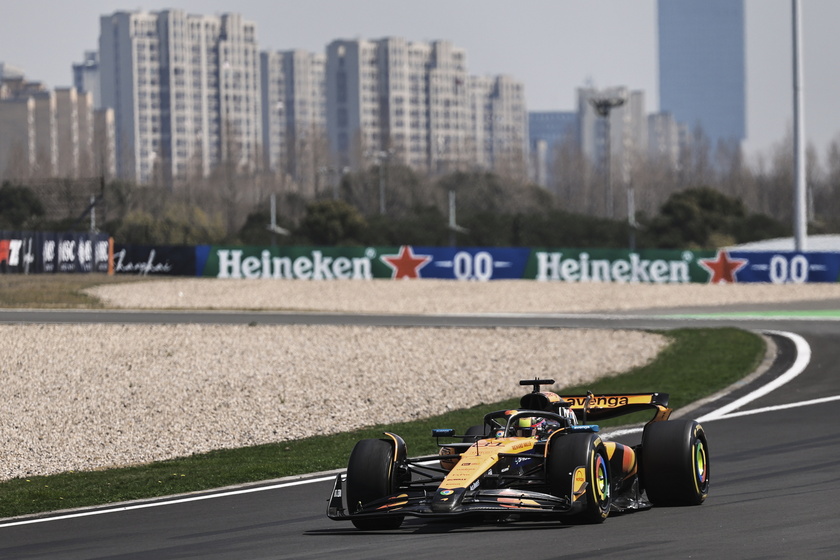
[(476, 264), (28, 252)]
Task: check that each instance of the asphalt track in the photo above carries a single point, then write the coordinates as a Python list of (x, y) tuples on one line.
[(774, 468)]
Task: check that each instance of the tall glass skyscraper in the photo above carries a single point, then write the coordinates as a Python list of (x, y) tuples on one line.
[(702, 65)]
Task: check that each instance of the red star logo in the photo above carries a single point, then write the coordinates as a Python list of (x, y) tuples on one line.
[(723, 268), (406, 264)]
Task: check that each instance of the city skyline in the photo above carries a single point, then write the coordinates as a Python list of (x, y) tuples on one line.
[(191, 95), (611, 44)]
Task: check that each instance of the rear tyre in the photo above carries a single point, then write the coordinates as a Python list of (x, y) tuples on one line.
[(583, 454), (675, 463), (372, 474)]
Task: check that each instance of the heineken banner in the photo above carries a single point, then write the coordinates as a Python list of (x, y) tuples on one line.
[(37, 252), (28, 252), (483, 263)]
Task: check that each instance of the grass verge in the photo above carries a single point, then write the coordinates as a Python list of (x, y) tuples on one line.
[(55, 291), (697, 363)]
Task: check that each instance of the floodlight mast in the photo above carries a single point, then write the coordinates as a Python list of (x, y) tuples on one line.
[(603, 106)]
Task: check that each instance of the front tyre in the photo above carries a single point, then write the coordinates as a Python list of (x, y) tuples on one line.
[(577, 468), (675, 463), (474, 433), (371, 475)]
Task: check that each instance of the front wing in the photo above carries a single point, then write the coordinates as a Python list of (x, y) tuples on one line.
[(419, 503)]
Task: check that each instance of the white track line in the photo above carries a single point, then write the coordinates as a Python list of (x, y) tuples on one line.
[(779, 407), (803, 357), (165, 502)]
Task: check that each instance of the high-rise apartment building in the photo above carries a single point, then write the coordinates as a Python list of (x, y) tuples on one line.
[(448, 138), (46, 137), (294, 117), (353, 119), (665, 138), (68, 131), (86, 77), (395, 99), (17, 142), (9, 72), (190, 93), (46, 133), (702, 65), (102, 139), (416, 103), (500, 124), (104, 158), (185, 90)]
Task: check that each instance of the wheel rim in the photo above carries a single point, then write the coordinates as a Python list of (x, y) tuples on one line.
[(701, 465), (601, 479)]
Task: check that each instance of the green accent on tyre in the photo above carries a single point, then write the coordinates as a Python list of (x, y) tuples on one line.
[(601, 479), (700, 462)]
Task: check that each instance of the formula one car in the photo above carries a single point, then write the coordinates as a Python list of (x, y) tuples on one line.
[(544, 460)]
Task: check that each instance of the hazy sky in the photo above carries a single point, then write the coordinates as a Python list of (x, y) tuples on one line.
[(552, 46)]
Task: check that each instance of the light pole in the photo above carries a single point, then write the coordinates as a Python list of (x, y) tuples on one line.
[(382, 186), (334, 176), (382, 157), (454, 228), (273, 227), (800, 221), (631, 215), (603, 105)]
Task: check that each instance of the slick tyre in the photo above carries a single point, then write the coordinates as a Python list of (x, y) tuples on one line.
[(371, 474), (675, 463), (577, 468)]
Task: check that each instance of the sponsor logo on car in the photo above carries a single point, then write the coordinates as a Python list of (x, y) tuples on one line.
[(612, 400)]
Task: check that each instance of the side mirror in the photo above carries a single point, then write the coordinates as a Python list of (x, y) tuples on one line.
[(443, 432)]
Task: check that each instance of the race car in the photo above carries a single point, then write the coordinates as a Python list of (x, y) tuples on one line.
[(543, 460)]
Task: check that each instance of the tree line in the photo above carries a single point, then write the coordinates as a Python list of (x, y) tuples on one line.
[(707, 201)]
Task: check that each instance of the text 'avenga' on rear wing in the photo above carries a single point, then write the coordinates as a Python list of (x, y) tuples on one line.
[(603, 407)]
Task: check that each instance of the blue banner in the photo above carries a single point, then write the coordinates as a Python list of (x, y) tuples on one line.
[(482, 263), (786, 267)]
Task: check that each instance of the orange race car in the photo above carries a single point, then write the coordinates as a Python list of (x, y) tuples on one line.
[(545, 459)]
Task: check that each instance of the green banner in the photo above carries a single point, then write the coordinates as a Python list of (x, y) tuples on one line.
[(617, 265), (306, 263)]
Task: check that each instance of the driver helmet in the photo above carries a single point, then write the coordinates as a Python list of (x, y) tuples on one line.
[(525, 426)]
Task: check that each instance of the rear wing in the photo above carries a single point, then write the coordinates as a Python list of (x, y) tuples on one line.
[(594, 408)]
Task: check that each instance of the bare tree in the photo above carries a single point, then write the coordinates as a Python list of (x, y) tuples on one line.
[(572, 176), (695, 165)]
